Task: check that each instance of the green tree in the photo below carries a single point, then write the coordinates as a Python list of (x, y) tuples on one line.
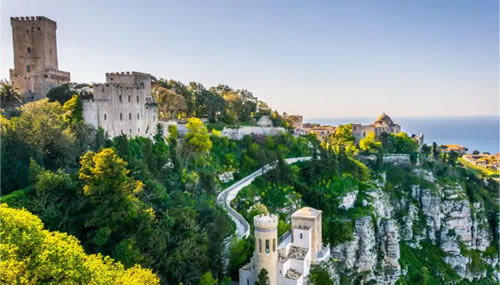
[(342, 141), (40, 132), (263, 277), (369, 143), (208, 279), (9, 94), (73, 110), (319, 276), (198, 137), (29, 254), (239, 254), (111, 193)]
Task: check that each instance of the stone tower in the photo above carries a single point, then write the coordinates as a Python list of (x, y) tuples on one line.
[(266, 247), (35, 57)]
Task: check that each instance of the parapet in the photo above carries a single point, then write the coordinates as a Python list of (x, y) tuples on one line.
[(29, 19), (265, 222), (129, 78)]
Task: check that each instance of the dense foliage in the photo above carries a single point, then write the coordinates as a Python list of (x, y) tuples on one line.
[(139, 200), (30, 254)]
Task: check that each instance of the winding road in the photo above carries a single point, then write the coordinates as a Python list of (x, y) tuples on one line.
[(227, 195)]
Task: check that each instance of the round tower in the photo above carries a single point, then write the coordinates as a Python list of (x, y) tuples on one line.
[(266, 246)]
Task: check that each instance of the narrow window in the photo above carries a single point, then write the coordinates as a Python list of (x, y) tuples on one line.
[(129, 99), (137, 116), (137, 99), (274, 245), (29, 50), (28, 68), (120, 98), (130, 116), (121, 116), (138, 130), (267, 246), (300, 236), (130, 131), (50, 51), (105, 117), (260, 245)]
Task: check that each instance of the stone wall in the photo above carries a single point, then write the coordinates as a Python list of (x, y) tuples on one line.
[(123, 108), (239, 133)]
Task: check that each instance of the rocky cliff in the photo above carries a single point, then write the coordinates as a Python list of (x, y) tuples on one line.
[(433, 221)]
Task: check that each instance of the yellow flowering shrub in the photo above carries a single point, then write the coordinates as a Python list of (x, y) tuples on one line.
[(29, 254)]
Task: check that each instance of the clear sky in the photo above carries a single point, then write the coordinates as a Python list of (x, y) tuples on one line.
[(317, 58)]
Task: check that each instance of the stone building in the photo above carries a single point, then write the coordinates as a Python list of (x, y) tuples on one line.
[(122, 105), (289, 261), (383, 124), (36, 69)]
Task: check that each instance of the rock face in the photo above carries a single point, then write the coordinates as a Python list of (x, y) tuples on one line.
[(439, 212), (371, 251)]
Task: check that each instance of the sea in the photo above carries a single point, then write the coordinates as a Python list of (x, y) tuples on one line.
[(480, 133)]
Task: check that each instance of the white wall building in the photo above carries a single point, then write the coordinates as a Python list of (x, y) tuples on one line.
[(123, 105), (290, 261)]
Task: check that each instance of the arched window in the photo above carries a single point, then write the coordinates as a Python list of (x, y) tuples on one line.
[(301, 236), (29, 50), (267, 246), (129, 99), (130, 131), (130, 116), (121, 116), (137, 116), (138, 130), (260, 245), (105, 117), (120, 98)]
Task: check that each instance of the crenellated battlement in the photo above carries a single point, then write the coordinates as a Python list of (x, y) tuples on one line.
[(123, 73), (133, 78), (265, 222), (30, 19), (57, 72)]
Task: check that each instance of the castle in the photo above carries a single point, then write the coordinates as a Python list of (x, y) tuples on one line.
[(288, 260), (383, 124), (123, 105), (35, 57)]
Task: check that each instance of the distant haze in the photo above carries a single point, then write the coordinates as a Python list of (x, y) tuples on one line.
[(316, 58)]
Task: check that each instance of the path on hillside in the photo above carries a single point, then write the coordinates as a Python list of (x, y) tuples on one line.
[(227, 195)]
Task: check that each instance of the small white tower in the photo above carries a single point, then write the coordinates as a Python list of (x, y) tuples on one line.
[(266, 247)]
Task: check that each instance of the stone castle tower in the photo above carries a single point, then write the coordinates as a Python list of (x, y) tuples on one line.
[(35, 57), (123, 105), (266, 247)]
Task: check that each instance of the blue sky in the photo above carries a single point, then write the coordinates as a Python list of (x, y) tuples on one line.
[(316, 58)]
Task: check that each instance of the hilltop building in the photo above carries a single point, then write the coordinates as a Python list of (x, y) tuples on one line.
[(123, 105), (289, 261), (383, 124), (36, 68)]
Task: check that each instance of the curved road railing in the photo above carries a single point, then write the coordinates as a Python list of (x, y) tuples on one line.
[(227, 195)]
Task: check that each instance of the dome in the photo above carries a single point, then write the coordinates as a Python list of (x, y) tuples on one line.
[(384, 119), (307, 212)]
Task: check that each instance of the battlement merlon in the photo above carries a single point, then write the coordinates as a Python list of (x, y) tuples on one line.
[(28, 19), (129, 78), (57, 72), (266, 221)]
